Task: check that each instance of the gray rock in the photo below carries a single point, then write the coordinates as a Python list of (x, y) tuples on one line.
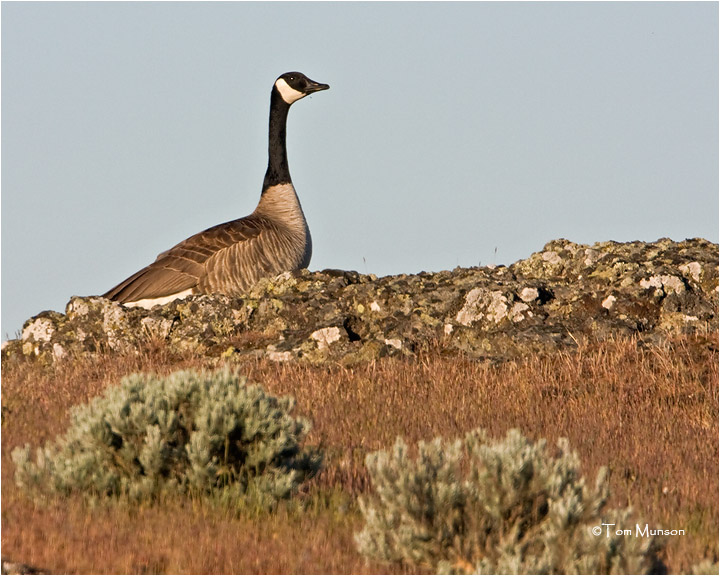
[(536, 305), (10, 567)]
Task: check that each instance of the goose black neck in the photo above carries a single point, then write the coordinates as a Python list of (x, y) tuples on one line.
[(278, 171)]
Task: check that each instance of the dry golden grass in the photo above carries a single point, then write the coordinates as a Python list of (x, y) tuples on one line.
[(648, 412)]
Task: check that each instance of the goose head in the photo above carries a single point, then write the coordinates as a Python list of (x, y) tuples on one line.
[(292, 86)]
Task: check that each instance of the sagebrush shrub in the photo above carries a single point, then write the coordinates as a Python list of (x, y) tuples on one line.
[(190, 432), (503, 507)]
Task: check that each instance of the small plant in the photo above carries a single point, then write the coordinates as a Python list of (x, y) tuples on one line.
[(706, 566), (505, 507), (192, 432)]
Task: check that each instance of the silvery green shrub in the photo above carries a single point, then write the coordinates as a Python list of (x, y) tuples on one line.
[(503, 507), (190, 432)]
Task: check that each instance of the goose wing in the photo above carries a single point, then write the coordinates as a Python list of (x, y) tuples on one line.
[(184, 266)]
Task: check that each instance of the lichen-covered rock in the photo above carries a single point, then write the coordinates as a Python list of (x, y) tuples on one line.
[(536, 305)]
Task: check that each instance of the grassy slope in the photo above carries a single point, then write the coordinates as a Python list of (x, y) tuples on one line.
[(649, 413)]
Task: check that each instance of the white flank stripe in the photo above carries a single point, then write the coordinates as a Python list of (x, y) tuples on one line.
[(150, 302)]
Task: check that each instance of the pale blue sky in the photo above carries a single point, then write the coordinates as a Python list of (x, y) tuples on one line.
[(450, 130)]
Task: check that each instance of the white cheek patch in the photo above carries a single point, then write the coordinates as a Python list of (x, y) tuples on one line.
[(288, 94)]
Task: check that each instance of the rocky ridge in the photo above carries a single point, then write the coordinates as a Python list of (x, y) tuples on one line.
[(543, 303)]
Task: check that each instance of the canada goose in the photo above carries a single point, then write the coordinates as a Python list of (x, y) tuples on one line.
[(229, 258)]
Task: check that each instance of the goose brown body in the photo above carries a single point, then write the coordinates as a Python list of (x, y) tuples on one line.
[(230, 258)]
